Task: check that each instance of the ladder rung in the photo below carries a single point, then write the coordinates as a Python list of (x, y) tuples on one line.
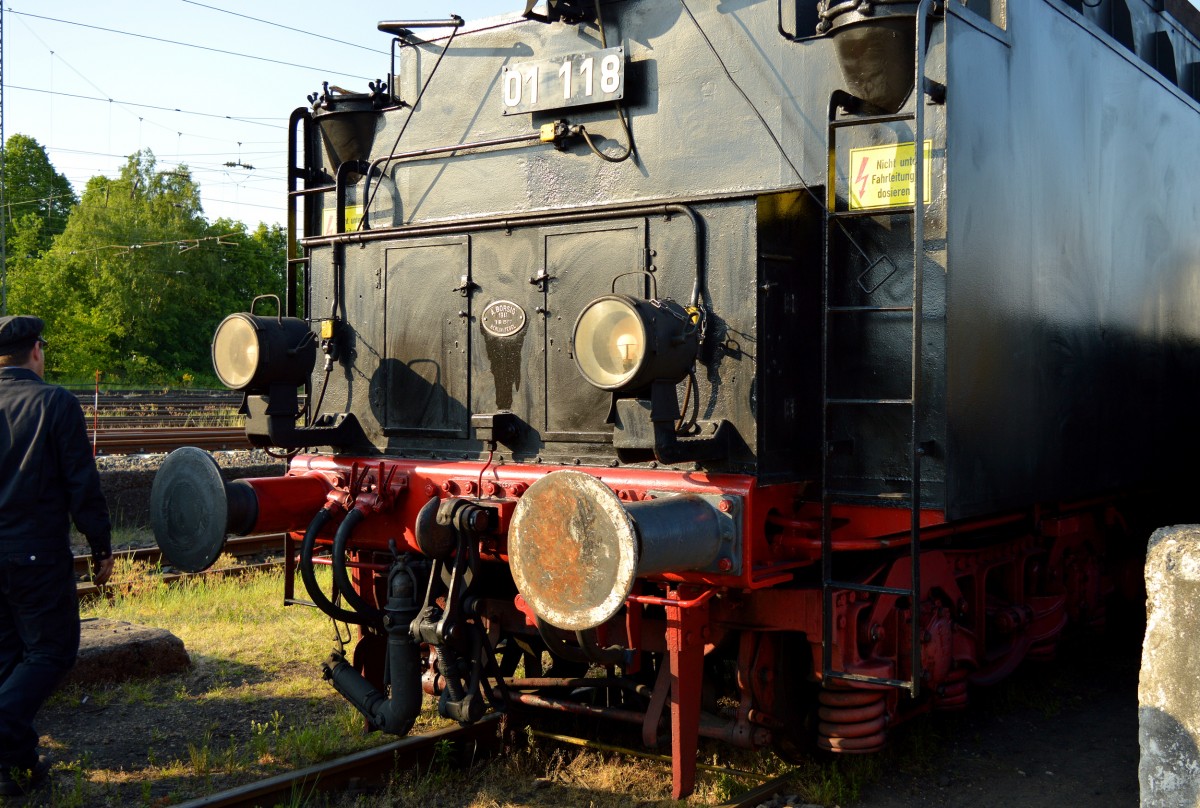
[(890, 496), (879, 590), (310, 191), (871, 213), (875, 680), (867, 120), (853, 309), (902, 402)]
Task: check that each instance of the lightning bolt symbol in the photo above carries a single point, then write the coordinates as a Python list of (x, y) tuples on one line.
[(861, 179)]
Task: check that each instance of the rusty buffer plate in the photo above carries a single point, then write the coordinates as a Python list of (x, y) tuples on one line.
[(573, 550)]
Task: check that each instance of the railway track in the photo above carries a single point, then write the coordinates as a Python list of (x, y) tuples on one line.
[(154, 440), (372, 768), (369, 768), (119, 399), (239, 547)]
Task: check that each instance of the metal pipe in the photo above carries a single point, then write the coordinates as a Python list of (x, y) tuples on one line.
[(726, 731), (605, 747), (297, 116), (534, 137), (505, 223), (538, 683), (398, 712)]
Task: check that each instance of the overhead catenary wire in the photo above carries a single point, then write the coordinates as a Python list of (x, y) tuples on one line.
[(183, 244), (286, 27), (87, 89), (239, 119), (56, 55), (10, 205), (187, 45)]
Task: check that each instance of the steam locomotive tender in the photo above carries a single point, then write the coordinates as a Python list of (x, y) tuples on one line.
[(641, 338)]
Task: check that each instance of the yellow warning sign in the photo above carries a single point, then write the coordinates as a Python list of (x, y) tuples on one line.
[(329, 219), (884, 176)]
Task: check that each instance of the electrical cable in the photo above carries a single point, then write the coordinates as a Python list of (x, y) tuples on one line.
[(629, 150), (255, 122), (187, 44), (486, 466), (316, 411), (413, 108), (286, 27), (56, 54), (746, 98)]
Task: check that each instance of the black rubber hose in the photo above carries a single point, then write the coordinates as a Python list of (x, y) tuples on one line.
[(367, 613), (310, 579)]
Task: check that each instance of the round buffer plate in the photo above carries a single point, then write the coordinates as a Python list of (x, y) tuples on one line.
[(572, 547), (188, 509)]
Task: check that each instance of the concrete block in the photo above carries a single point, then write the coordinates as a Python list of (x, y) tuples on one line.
[(1169, 684), (113, 651)]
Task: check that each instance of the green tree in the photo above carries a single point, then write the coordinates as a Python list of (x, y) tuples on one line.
[(138, 280), (35, 194)]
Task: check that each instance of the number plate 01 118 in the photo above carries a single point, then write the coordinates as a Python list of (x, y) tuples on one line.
[(564, 81)]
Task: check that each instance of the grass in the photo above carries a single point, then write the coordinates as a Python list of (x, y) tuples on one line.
[(252, 705)]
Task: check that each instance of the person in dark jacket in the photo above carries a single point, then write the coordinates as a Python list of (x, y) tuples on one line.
[(46, 472)]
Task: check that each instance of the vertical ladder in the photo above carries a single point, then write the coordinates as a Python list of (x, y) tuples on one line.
[(834, 221)]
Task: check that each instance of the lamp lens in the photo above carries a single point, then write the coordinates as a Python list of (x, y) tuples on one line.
[(236, 351), (610, 343)]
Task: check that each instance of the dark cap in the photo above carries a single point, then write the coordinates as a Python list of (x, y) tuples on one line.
[(18, 331)]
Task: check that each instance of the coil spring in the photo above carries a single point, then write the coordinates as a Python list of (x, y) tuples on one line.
[(852, 721)]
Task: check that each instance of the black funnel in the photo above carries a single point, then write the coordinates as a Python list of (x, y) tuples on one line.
[(875, 44), (347, 122)]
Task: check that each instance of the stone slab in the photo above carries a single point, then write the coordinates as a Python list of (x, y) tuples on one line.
[(114, 651), (1169, 684)]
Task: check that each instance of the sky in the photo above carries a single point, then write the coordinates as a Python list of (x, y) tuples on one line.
[(93, 81)]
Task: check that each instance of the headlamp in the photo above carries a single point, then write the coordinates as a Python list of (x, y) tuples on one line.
[(254, 353), (622, 343)]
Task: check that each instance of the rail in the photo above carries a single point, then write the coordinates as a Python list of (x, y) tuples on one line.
[(165, 439), (236, 546), (239, 547), (373, 767), (369, 767)]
